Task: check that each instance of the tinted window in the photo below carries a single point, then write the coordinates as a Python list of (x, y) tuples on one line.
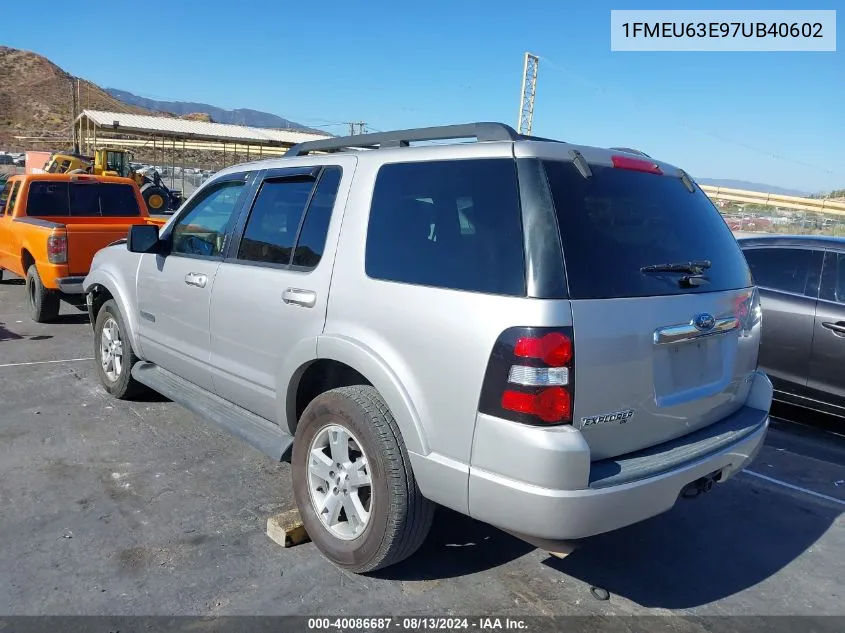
[(13, 198), (202, 229), (47, 199), (274, 221), (833, 277), (779, 268), (312, 236), (617, 221), (452, 224), (118, 201), (4, 196)]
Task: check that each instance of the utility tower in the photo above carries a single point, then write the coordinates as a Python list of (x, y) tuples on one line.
[(359, 125), (529, 91)]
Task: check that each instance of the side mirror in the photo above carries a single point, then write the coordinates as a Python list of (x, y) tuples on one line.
[(143, 238)]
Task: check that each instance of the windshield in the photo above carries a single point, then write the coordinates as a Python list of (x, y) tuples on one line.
[(618, 222)]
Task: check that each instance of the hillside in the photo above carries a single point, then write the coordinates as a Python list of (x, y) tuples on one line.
[(242, 116), (35, 98)]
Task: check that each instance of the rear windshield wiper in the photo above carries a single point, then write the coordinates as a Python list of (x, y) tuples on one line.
[(692, 268)]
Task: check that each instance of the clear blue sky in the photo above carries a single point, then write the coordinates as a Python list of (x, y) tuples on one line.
[(776, 118)]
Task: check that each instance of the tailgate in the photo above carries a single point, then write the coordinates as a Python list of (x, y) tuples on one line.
[(668, 365), (84, 240), (664, 313)]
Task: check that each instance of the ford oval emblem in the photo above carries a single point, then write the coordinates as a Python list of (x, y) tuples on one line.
[(704, 321)]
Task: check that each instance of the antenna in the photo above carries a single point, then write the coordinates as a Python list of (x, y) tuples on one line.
[(527, 94)]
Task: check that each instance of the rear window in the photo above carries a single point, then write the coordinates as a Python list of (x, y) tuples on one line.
[(90, 199), (617, 221)]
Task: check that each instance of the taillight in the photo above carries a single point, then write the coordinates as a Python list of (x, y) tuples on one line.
[(530, 376), (57, 249), (635, 164)]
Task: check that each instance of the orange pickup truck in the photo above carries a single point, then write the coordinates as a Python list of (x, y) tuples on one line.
[(51, 225)]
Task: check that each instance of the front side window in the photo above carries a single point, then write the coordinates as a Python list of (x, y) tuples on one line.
[(450, 224), (784, 269), (202, 230), (5, 195)]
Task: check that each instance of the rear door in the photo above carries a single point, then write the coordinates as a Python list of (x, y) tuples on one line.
[(788, 279), (271, 291), (828, 351), (670, 353)]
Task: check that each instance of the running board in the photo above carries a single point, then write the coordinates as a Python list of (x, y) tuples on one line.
[(256, 431)]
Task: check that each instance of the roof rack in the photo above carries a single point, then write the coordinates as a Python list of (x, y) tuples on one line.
[(403, 138)]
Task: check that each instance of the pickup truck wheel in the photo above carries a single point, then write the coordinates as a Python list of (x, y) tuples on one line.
[(44, 303), (114, 354), (353, 482)]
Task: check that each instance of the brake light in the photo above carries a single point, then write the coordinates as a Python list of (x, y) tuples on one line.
[(635, 164), (554, 349), (57, 249), (530, 376), (550, 405)]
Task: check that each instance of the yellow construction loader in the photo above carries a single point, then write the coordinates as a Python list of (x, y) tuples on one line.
[(117, 162)]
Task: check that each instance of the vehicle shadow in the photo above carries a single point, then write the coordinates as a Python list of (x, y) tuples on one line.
[(703, 550), (699, 552), (76, 318), (8, 335), (456, 546)]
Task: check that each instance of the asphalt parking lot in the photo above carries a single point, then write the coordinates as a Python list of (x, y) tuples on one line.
[(120, 508)]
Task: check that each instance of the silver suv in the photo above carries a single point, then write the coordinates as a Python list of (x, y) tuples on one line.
[(554, 339)]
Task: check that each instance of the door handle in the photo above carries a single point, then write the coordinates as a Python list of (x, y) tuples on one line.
[(196, 279), (837, 328), (298, 296)]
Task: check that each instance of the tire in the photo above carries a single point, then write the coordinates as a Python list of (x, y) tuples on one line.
[(116, 377), (399, 516), (155, 198), (44, 303)]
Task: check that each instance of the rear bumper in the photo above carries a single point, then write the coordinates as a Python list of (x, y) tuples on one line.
[(550, 490), (70, 285)]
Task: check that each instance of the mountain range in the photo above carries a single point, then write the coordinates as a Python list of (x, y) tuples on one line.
[(241, 116)]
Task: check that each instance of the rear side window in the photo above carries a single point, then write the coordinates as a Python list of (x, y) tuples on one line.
[(833, 278), (451, 224), (618, 221), (784, 269), (270, 232), (88, 199), (315, 227), (276, 231)]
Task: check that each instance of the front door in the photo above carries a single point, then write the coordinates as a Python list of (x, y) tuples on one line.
[(174, 289), (828, 353), (270, 294)]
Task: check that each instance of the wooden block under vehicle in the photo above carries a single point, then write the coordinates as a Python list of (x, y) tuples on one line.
[(287, 529)]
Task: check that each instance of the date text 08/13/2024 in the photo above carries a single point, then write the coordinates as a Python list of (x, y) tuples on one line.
[(417, 624)]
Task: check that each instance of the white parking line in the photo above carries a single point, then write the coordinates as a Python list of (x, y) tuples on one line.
[(794, 487), (45, 362)]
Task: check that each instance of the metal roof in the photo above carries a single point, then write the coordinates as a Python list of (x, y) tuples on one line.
[(165, 126)]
